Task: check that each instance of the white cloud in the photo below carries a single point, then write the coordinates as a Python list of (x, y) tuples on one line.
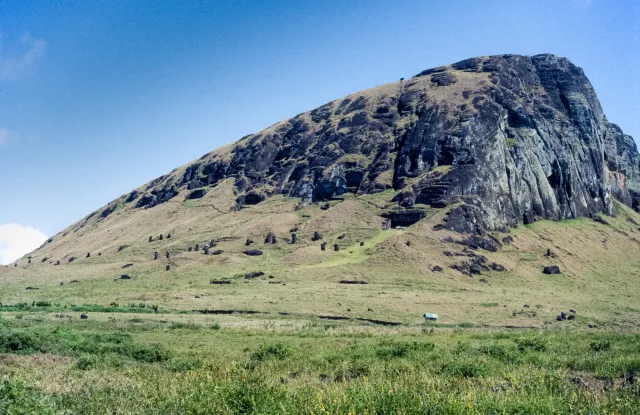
[(12, 67), (4, 136), (17, 240)]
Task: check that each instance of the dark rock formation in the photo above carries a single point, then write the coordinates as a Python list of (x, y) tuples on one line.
[(552, 269), (197, 194), (405, 217), (505, 140), (252, 275)]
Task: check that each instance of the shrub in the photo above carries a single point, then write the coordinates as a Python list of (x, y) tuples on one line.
[(533, 344), (276, 351), (391, 349), (464, 369), (600, 346)]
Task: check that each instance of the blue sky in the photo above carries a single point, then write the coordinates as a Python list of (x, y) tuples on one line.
[(98, 97)]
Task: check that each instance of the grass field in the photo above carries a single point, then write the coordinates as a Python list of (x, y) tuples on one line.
[(165, 364)]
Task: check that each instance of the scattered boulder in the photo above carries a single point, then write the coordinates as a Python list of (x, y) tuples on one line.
[(252, 275), (550, 270), (507, 240), (497, 267), (83, 316), (325, 206), (599, 219), (253, 252)]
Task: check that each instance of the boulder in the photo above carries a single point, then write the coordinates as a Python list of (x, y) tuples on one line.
[(550, 270)]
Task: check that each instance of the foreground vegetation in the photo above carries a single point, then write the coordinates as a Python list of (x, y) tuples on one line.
[(142, 364)]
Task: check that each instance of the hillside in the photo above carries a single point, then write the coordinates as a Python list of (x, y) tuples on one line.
[(447, 192)]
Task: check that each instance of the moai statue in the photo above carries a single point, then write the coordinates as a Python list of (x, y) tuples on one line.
[(336, 247), (168, 236), (190, 249), (408, 243), (168, 267), (316, 236), (361, 243), (151, 239), (29, 261), (323, 246), (88, 254), (294, 238), (167, 254), (155, 255), (197, 247), (206, 250), (249, 242), (273, 239), (160, 237)]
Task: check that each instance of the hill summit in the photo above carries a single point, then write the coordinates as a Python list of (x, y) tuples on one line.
[(512, 138)]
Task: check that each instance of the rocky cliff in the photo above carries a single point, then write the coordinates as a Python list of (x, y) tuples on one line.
[(506, 139)]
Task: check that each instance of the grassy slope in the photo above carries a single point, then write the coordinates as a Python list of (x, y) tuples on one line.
[(600, 265)]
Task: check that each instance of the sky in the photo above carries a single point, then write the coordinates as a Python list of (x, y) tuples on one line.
[(99, 97)]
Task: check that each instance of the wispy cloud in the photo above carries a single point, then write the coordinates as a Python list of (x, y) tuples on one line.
[(17, 240), (4, 136), (12, 67)]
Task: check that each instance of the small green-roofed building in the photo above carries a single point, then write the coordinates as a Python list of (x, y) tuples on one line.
[(430, 316)]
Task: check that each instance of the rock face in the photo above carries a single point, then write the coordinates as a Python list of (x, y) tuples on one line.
[(510, 138)]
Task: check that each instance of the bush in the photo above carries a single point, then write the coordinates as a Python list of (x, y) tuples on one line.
[(536, 345), (391, 349), (600, 346), (464, 369), (276, 351), (182, 365)]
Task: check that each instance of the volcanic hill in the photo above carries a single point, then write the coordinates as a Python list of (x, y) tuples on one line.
[(444, 192)]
